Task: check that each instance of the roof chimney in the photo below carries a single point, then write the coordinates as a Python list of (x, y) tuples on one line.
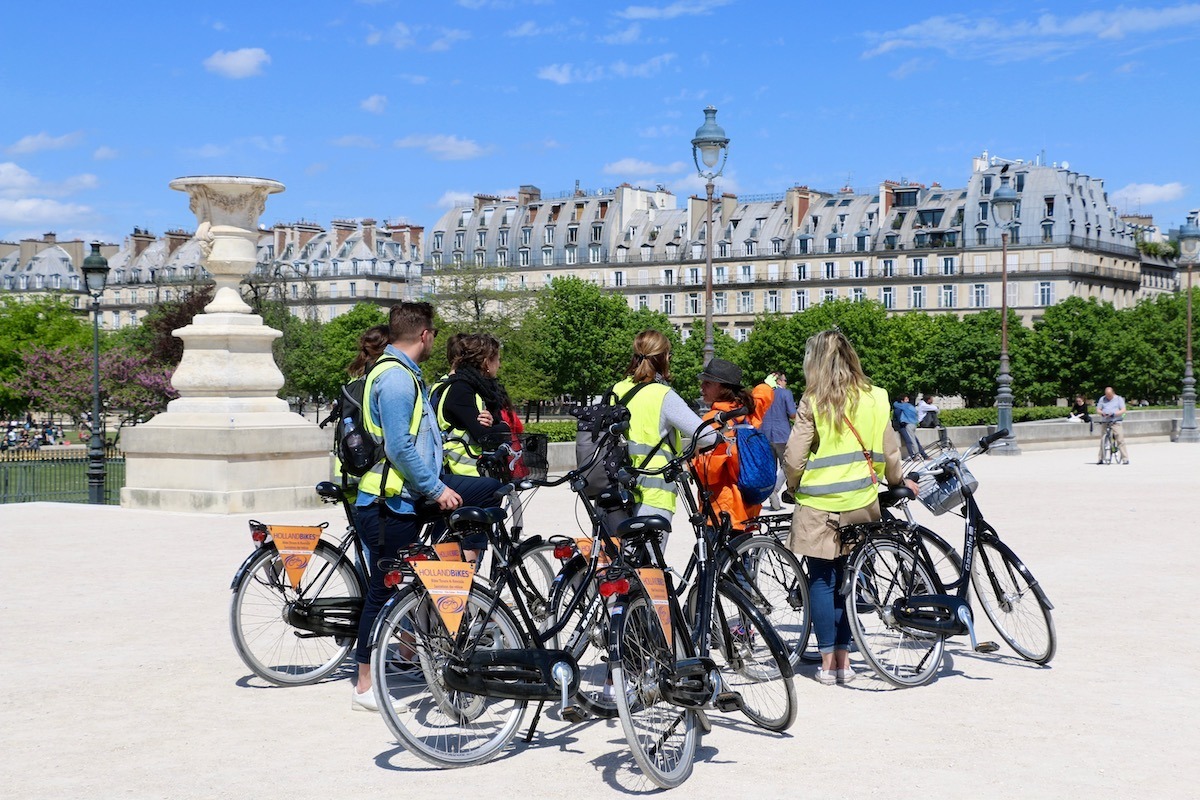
[(368, 227), (528, 194), (342, 230), (175, 239), (141, 239)]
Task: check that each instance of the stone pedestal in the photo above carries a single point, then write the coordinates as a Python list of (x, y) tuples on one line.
[(228, 444)]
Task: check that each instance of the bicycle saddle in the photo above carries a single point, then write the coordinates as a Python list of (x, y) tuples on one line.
[(636, 528), (471, 517), (613, 498), (330, 491), (894, 495)]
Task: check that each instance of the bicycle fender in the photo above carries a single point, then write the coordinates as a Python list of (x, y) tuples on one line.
[(769, 634), (377, 625), (994, 539), (241, 571)]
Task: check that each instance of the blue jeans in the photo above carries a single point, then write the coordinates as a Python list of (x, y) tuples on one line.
[(399, 531), (827, 604)]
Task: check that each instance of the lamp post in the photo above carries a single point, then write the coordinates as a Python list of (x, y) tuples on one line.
[(709, 147), (95, 275), (1189, 250), (1004, 208)]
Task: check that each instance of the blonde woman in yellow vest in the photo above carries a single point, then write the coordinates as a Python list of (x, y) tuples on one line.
[(658, 419), (833, 481)]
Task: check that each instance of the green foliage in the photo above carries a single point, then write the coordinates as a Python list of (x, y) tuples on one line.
[(956, 417), (1168, 249), (687, 358), (559, 431), (49, 321)]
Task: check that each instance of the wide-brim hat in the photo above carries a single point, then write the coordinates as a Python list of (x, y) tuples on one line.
[(718, 370)]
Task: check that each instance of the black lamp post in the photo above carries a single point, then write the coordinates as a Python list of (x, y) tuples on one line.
[(710, 146), (95, 275), (1189, 250), (1004, 208)]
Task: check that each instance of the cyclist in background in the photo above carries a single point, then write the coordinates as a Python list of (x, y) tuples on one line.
[(1111, 408)]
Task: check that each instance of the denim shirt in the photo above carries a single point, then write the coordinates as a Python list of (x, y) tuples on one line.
[(419, 459), (906, 411)]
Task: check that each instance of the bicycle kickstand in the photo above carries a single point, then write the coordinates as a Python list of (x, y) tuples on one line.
[(537, 715), (964, 615)]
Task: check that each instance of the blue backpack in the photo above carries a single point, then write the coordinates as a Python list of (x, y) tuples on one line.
[(756, 464)]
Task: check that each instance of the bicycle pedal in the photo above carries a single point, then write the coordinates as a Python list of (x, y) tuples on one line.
[(729, 701), (574, 713), (986, 647)]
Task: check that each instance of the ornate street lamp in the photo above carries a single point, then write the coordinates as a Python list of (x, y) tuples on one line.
[(1004, 209), (709, 147), (1189, 251), (95, 275)]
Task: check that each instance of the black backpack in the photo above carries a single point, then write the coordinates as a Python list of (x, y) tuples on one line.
[(593, 422), (356, 449)]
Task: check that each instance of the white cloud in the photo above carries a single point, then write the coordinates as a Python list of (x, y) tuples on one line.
[(627, 36), (447, 39), (563, 74), (680, 8), (452, 199), (355, 140), (105, 153), (17, 183), (444, 147), (1046, 36), (415, 80), (659, 132), (375, 104), (693, 184), (531, 28), (40, 211), (39, 142), (910, 67), (1134, 195), (634, 166), (244, 63), (316, 168), (269, 144)]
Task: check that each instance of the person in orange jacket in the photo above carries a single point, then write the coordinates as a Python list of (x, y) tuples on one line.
[(721, 387)]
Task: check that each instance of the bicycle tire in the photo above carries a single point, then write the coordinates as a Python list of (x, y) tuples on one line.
[(663, 738), (437, 724), (778, 587), (273, 648), (946, 561), (590, 634), (881, 571), (1004, 588), (760, 668)]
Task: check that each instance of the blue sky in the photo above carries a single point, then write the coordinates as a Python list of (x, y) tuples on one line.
[(394, 109)]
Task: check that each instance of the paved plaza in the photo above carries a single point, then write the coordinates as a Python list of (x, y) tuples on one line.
[(120, 680)]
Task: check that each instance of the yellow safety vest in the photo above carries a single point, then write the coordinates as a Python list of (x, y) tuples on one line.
[(374, 481), (645, 411), (458, 459), (836, 477)]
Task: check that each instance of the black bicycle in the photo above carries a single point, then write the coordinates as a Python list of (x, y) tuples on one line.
[(1110, 452), (901, 608)]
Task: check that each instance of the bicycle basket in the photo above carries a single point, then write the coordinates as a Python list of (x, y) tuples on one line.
[(515, 456), (942, 493)]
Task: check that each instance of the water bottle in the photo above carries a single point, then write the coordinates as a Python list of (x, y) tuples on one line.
[(356, 451)]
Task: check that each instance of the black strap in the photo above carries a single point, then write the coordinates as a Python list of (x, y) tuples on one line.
[(625, 402)]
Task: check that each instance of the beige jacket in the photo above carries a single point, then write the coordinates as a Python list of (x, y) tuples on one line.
[(814, 532)]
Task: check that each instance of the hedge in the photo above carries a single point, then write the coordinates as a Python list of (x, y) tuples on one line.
[(955, 417), (557, 431)]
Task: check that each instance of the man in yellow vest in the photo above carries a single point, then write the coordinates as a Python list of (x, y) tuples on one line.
[(397, 412)]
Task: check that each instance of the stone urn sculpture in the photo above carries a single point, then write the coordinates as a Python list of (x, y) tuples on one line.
[(228, 443)]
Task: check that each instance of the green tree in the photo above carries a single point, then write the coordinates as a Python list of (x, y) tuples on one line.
[(687, 359), (1070, 350), (581, 336), (48, 321)]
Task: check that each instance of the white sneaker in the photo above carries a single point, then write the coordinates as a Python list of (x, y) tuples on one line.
[(826, 677), (364, 701), (844, 676)]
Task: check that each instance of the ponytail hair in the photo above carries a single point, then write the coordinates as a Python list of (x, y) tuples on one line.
[(651, 356)]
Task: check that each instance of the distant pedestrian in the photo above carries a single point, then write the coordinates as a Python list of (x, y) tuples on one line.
[(904, 418), (777, 425), (1079, 411), (927, 412), (1111, 408)]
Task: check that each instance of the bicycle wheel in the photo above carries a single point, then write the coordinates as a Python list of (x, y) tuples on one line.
[(1106, 447), (881, 572), (662, 737), (535, 576), (947, 563), (263, 598), (753, 661), (586, 637), (775, 583), (1004, 588), (409, 655)]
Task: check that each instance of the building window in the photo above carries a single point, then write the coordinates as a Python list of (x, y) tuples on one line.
[(523, 257), (594, 254), (720, 275), (353, 288), (437, 240), (333, 290), (618, 278), (916, 297), (693, 275), (858, 294), (573, 234), (295, 292), (860, 269), (458, 240), (1045, 293), (776, 246), (987, 184), (1047, 232), (746, 273), (772, 301), (668, 277), (799, 299), (693, 303), (572, 256), (548, 235), (833, 244), (502, 238), (643, 277), (802, 272), (481, 239), (723, 250), (643, 302), (668, 304), (526, 235), (979, 295), (828, 295), (947, 298), (597, 232), (501, 283), (741, 334), (983, 212), (802, 246), (860, 244), (720, 306), (916, 267), (750, 248), (479, 255), (830, 270), (502, 258), (547, 257), (746, 302), (887, 296), (949, 265), (888, 268)]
